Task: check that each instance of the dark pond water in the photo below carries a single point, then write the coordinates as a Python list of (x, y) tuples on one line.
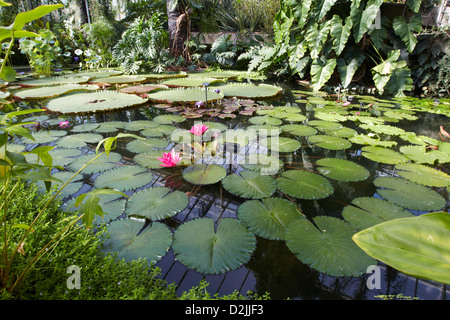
[(273, 268)]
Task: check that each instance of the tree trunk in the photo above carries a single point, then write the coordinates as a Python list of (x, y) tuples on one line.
[(179, 25)]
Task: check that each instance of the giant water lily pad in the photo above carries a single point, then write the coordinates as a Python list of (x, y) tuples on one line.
[(132, 243), (270, 217), (184, 95), (51, 81), (328, 247), (383, 155), (204, 173), (156, 203), (343, 170), (304, 185), (51, 91), (103, 163), (120, 79), (409, 194), (365, 212), (198, 245), (124, 178), (91, 102), (250, 91), (423, 175), (250, 185), (189, 82)]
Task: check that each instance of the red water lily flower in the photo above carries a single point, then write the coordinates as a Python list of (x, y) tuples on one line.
[(170, 159)]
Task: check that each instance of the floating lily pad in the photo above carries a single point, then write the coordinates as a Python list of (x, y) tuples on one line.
[(139, 125), (270, 217), (149, 159), (281, 144), (184, 95), (342, 170), (101, 73), (383, 155), (328, 247), (204, 173), (330, 142), (103, 163), (304, 185), (44, 136), (149, 144), (156, 203), (250, 185), (132, 243), (250, 91), (143, 88), (371, 140), (409, 194), (85, 127), (420, 154), (120, 79), (124, 178), (78, 140), (323, 125), (262, 163), (109, 126), (199, 246), (365, 212), (158, 131), (52, 81), (385, 129), (189, 82), (51, 91), (423, 175), (91, 102), (265, 120), (168, 119), (299, 130)]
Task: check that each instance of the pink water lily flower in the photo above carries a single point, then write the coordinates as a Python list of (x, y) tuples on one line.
[(64, 124), (170, 159), (347, 103), (198, 129)]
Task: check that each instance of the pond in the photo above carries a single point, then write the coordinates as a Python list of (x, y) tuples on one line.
[(238, 220)]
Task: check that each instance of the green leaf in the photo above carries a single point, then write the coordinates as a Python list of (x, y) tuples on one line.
[(340, 33), (269, 218), (363, 18), (409, 194), (281, 144), (304, 185), (103, 163), (330, 142), (315, 38), (321, 71), (156, 203), (250, 185), (133, 241), (417, 246), (8, 74), (4, 3), (78, 140), (399, 82), (383, 155), (342, 170), (405, 30), (25, 17), (199, 246), (124, 178), (323, 7), (414, 5), (423, 175), (328, 247), (204, 174)]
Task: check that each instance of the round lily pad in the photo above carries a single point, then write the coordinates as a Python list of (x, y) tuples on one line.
[(365, 212), (156, 203), (269, 217), (78, 140), (383, 155), (124, 178), (330, 142), (139, 146), (109, 126), (409, 194), (328, 248), (52, 81), (184, 95), (85, 127), (304, 185), (198, 245), (103, 163), (44, 136), (281, 144), (139, 125), (189, 81), (299, 130), (149, 159), (51, 91), (423, 175), (262, 163), (120, 79), (342, 170), (91, 102), (250, 185), (132, 242), (204, 173), (250, 91)]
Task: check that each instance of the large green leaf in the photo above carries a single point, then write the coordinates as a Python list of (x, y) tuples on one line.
[(323, 7), (103, 163), (420, 154), (281, 144), (51, 91), (198, 245), (321, 71), (78, 140), (417, 246), (328, 247), (340, 33), (124, 178), (299, 130), (250, 185), (409, 194), (405, 30), (261, 162), (24, 17), (423, 175), (270, 217), (132, 242), (204, 173), (304, 185), (149, 144), (315, 37), (149, 159), (365, 212), (342, 170), (330, 142), (399, 82), (383, 155), (364, 17), (156, 203)]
